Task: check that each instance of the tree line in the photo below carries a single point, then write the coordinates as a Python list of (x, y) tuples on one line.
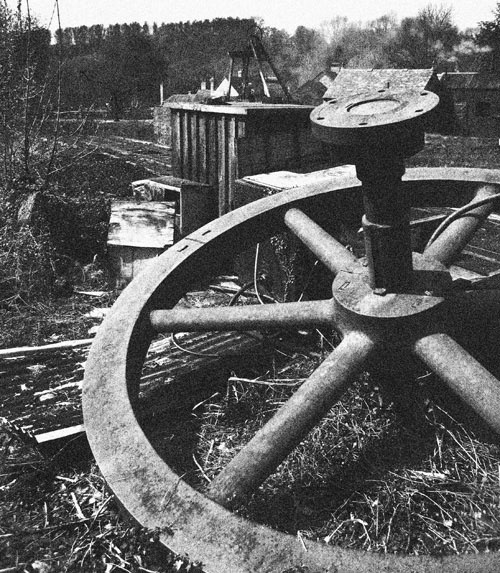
[(121, 66)]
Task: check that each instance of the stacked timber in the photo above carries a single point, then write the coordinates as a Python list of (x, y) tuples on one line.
[(40, 392)]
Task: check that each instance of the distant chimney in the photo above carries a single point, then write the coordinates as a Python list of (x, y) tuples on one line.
[(203, 85), (212, 84)]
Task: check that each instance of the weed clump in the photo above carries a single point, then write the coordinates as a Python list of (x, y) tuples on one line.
[(27, 262)]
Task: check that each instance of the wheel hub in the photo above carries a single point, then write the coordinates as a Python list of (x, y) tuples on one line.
[(352, 292)]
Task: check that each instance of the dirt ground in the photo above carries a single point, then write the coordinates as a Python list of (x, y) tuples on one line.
[(57, 515)]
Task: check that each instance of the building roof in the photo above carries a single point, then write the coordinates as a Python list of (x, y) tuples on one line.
[(326, 78), (351, 81), (471, 80), (180, 98), (312, 91)]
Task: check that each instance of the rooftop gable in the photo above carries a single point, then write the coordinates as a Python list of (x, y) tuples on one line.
[(351, 81)]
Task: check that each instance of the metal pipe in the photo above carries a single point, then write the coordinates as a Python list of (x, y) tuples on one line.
[(386, 223), (327, 249), (289, 426), (463, 374), (250, 317), (453, 239)]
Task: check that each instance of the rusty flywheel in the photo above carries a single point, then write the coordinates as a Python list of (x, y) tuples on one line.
[(392, 300)]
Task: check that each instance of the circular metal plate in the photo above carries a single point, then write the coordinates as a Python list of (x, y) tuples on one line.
[(368, 118), (431, 281)]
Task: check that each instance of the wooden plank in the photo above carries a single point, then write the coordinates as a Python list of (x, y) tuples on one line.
[(141, 223), (222, 163), (176, 144), (44, 349), (281, 180), (125, 265), (242, 109), (186, 145), (232, 161), (157, 189), (60, 434), (142, 258), (198, 206), (212, 152), (203, 151), (194, 147)]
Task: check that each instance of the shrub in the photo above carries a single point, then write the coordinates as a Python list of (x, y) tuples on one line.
[(27, 264)]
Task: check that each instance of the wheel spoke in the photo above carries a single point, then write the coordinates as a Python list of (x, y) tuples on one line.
[(269, 447), (328, 250), (463, 374), (449, 244), (251, 317)]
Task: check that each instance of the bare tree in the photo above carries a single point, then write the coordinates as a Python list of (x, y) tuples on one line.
[(426, 40)]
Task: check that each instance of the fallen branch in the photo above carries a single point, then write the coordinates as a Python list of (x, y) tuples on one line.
[(34, 350), (15, 569), (278, 382)]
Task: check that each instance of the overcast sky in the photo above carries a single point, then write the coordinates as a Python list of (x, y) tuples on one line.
[(286, 14)]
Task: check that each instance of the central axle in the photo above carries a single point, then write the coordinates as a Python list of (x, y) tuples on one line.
[(380, 132)]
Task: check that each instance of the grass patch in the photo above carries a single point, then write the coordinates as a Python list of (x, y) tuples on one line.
[(364, 478)]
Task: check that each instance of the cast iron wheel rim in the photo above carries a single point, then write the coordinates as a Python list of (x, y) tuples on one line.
[(188, 522)]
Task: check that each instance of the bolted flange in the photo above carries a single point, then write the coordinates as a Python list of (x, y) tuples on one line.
[(392, 317), (380, 130), (383, 119)]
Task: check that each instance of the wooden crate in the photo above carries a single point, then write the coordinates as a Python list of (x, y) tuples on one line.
[(138, 232), (196, 203)]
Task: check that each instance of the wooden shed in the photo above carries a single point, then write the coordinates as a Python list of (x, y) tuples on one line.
[(217, 144), (476, 99)]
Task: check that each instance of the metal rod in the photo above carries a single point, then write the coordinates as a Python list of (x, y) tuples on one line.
[(453, 239), (463, 374), (328, 250), (261, 72), (231, 70), (273, 68), (289, 426), (386, 223), (250, 317)]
